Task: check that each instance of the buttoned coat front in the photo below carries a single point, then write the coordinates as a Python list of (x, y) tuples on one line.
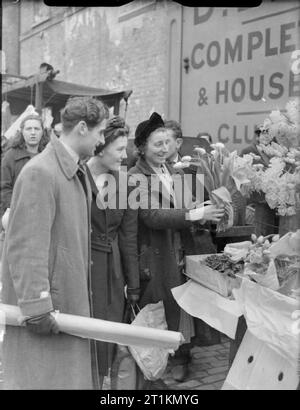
[(46, 266), (114, 257)]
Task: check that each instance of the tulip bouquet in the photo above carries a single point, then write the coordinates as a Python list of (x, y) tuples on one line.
[(220, 180)]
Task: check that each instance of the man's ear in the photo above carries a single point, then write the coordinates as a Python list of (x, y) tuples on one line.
[(179, 142), (81, 127)]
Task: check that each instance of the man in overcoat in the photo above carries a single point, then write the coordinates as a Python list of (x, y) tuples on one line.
[(46, 257)]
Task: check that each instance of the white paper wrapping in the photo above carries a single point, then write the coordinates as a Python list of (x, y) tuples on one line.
[(271, 317), (289, 244), (217, 311), (103, 330), (266, 370)]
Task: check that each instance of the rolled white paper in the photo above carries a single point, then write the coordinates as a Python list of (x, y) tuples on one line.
[(104, 330)]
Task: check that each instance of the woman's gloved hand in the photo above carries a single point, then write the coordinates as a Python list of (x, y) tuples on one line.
[(133, 299), (43, 324), (132, 295)]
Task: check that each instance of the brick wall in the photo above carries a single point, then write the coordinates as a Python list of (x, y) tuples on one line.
[(10, 36), (109, 47)]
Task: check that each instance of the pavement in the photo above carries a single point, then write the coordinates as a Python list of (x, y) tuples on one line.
[(207, 370)]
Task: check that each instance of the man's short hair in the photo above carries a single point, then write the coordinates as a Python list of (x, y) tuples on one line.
[(175, 127), (47, 66), (205, 134), (88, 109)]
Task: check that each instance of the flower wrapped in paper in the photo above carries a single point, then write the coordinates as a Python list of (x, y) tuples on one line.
[(221, 197), (221, 179)]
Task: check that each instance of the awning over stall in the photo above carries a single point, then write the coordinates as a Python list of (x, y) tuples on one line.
[(40, 91)]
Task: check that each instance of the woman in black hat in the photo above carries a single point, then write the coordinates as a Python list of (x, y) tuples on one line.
[(159, 245)]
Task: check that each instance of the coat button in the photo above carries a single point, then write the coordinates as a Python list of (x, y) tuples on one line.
[(156, 251), (147, 272), (92, 263)]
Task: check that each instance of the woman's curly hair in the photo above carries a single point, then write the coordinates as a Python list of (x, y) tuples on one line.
[(18, 140)]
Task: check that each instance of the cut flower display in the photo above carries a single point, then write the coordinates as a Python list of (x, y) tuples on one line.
[(277, 176)]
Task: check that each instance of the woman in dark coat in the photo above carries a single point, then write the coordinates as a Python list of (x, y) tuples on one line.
[(159, 245), (29, 141), (113, 237)]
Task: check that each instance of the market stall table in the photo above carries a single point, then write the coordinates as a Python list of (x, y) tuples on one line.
[(217, 311), (268, 356)]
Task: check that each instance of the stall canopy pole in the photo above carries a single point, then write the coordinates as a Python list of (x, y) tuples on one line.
[(39, 97), (126, 96)]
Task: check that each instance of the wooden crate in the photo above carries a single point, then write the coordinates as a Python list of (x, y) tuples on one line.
[(237, 232), (210, 278)]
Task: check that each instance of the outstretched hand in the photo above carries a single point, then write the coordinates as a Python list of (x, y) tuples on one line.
[(212, 213)]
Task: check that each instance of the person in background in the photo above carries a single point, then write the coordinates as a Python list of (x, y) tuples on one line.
[(253, 147), (45, 68), (206, 136), (57, 129), (159, 244), (113, 238), (46, 258), (29, 141), (175, 133), (48, 68)]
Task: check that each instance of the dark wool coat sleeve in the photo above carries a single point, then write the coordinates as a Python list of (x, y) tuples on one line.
[(12, 164), (128, 248), (38, 207), (164, 218), (150, 210), (7, 180)]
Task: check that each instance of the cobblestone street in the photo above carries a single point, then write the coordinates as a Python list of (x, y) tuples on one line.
[(207, 370)]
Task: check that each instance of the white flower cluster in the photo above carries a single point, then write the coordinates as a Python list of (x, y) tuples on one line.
[(282, 128), (278, 185), (278, 174)]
